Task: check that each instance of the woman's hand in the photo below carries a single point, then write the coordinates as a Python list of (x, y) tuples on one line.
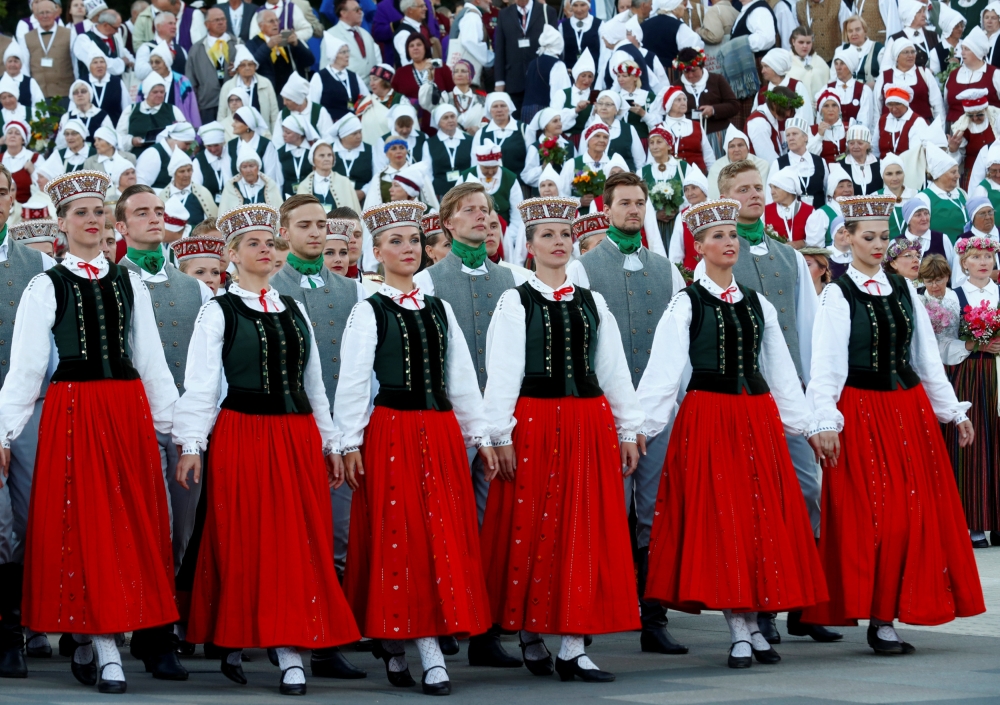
[(506, 463), (353, 469), (335, 470), (822, 127), (637, 109), (137, 141), (630, 458), (581, 106), (707, 111), (490, 463), (827, 447), (185, 465), (966, 434), (993, 347), (662, 216), (586, 200), (955, 141)]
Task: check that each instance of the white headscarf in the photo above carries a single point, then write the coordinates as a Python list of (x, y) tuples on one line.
[(550, 42)]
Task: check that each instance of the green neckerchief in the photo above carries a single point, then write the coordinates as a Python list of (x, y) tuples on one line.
[(472, 257), (3, 233), (626, 243), (305, 266), (150, 260), (753, 234)]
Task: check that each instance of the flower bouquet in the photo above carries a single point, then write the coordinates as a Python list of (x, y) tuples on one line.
[(551, 152), (666, 196), (45, 125), (589, 183), (941, 318), (773, 234), (979, 325)]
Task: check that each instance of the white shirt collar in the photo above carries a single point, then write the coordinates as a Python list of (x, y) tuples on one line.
[(880, 287), (548, 292), (717, 291), (990, 289), (272, 296), (397, 296), (72, 262), (951, 195)]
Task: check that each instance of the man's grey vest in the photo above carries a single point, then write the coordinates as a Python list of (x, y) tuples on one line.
[(776, 276), (328, 307), (637, 299), (21, 266), (176, 303), (473, 298)]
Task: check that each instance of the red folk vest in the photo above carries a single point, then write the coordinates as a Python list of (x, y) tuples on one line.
[(757, 115), (885, 145), (798, 223), (953, 88), (849, 111), (921, 103), (689, 148)]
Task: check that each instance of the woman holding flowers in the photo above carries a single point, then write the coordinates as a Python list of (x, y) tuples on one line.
[(690, 141), (892, 540), (970, 350), (548, 147)]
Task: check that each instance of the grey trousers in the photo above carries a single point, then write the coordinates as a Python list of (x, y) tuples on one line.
[(479, 484), (642, 485), (183, 504), (809, 474), (15, 495), (340, 499)]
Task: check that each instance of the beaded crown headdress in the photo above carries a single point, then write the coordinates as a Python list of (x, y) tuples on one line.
[(431, 223), (191, 247), (392, 215), (244, 219), (339, 229), (28, 231), (709, 213), (873, 207), (78, 184), (535, 211), (590, 225)]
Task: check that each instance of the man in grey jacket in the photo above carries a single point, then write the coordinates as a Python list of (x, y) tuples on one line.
[(210, 63)]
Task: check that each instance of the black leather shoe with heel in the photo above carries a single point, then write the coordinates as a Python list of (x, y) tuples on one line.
[(331, 663), (400, 679), (818, 633), (486, 650), (110, 687), (568, 670), (537, 667), (740, 661), (442, 688), (292, 688)]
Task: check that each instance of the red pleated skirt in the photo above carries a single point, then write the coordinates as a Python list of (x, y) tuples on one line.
[(555, 541), (893, 540), (413, 566), (265, 573), (98, 555), (731, 530)]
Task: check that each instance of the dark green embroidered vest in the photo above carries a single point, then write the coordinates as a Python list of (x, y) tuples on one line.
[(147, 127), (581, 117), (291, 178), (233, 147), (362, 168), (501, 199), (92, 324), (441, 163), (264, 357)]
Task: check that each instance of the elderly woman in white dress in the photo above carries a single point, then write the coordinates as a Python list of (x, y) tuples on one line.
[(903, 71), (737, 146), (332, 189), (623, 138), (84, 110), (545, 126), (860, 163), (690, 139)]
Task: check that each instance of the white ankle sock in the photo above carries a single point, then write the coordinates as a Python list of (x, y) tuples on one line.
[(107, 653), (397, 664), (535, 652), (431, 656), (885, 631), (756, 638), (289, 658), (235, 658), (84, 653), (571, 647), (738, 631)]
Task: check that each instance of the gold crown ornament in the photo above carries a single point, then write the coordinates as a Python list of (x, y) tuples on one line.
[(709, 213), (247, 218), (78, 184), (191, 247), (29, 231), (591, 224), (431, 224), (393, 215), (858, 208), (339, 229), (535, 211)]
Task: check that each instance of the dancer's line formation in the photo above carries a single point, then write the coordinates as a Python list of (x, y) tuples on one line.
[(482, 432)]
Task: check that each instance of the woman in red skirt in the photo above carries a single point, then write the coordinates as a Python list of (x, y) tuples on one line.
[(413, 567), (275, 586), (98, 557), (731, 530), (555, 538), (893, 540)]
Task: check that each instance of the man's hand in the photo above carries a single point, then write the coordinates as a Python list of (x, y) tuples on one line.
[(490, 463), (966, 434), (276, 40), (4, 464), (707, 111), (827, 447), (185, 465), (506, 462), (335, 470), (353, 469), (630, 458), (293, 39)]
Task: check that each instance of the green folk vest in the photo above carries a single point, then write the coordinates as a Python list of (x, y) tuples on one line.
[(328, 307), (21, 266), (163, 177), (233, 146), (992, 193), (677, 180), (776, 276), (314, 113), (560, 345), (147, 126), (881, 330), (292, 176), (176, 303), (264, 357), (637, 299), (442, 163), (473, 298), (947, 216), (362, 168), (725, 343), (92, 325), (622, 144), (831, 215), (501, 198), (581, 117), (410, 355), (514, 148)]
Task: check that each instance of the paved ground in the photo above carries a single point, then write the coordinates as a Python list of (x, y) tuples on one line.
[(959, 662)]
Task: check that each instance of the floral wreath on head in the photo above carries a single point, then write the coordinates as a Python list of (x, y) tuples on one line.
[(976, 243), (784, 102), (900, 246), (696, 62)]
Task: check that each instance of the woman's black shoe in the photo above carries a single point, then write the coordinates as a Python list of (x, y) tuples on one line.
[(908, 648), (272, 656), (881, 646), (185, 648), (539, 667), (86, 673), (442, 688), (67, 647), (740, 661), (43, 651), (448, 645), (981, 543), (292, 688), (233, 673), (587, 640), (568, 669), (110, 687), (400, 679)]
